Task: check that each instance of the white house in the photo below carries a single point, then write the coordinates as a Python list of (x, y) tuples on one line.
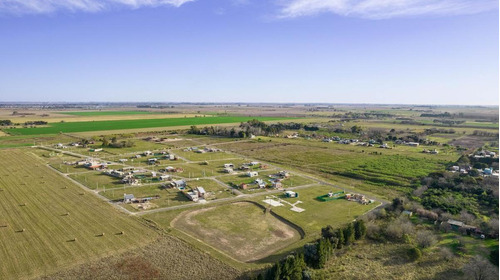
[(252, 174)]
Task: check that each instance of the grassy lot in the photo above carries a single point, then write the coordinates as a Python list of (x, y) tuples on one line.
[(236, 180), (318, 213), (242, 230), (190, 155), (70, 127), (168, 197), (46, 243), (96, 180)]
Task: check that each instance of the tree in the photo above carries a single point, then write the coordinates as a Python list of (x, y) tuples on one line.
[(425, 238), (324, 252), (478, 268), (359, 229), (414, 254), (328, 232), (356, 129), (340, 237), (349, 234)]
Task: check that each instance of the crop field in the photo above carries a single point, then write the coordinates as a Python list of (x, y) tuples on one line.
[(242, 230), (71, 127), (47, 224), (108, 113)]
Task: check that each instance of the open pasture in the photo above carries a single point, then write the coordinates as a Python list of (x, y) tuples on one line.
[(47, 224), (396, 167), (72, 127), (242, 230)]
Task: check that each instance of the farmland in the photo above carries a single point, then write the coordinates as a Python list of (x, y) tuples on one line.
[(72, 127), (106, 113), (47, 223), (229, 226)]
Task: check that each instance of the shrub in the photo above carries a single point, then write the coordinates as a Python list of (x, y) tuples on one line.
[(414, 254), (425, 239)]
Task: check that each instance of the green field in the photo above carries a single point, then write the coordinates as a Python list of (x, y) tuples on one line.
[(71, 127), (47, 224), (107, 113)]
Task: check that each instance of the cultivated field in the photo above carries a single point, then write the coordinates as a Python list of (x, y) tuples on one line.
[(47, 223), (71, 127)]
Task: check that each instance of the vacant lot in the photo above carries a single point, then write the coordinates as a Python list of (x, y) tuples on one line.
[(242, 230), (47, 224), (71, 127)]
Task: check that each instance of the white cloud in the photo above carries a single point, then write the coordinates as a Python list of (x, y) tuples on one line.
[(51, 6), (379, 9)]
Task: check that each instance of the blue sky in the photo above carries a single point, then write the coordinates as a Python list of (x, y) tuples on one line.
[(334, 51)]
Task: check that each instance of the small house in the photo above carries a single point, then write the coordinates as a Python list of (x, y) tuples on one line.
[(252, 174), (228, 170), (228, 165), (277, 185), (147, 153), (128, 198), (165, 177), (259, 182), (243, 186), (180, 184), (201, 192)]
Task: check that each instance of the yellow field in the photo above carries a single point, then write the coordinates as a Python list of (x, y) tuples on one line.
[(48, 223)]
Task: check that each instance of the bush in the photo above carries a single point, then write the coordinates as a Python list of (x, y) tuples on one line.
[(414, 254), (425, 239)]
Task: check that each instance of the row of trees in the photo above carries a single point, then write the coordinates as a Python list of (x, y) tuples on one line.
[(114, 143), (297, 266), (252, 127)]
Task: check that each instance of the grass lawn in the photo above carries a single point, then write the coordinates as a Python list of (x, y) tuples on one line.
[(97, 180), (46, 243), (190, 155), (168, 197), (241, 230), (317, 213)]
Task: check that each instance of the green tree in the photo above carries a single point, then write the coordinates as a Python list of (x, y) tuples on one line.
[(359, 229), (341, 239), (414, 254), (349, 234)]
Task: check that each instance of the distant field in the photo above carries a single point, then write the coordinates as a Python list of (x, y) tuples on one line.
[(71, 127), (38, 236), (107, 113)]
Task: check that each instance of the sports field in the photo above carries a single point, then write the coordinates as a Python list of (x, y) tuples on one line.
[(48, 223), (242, 230), (71, 127)]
